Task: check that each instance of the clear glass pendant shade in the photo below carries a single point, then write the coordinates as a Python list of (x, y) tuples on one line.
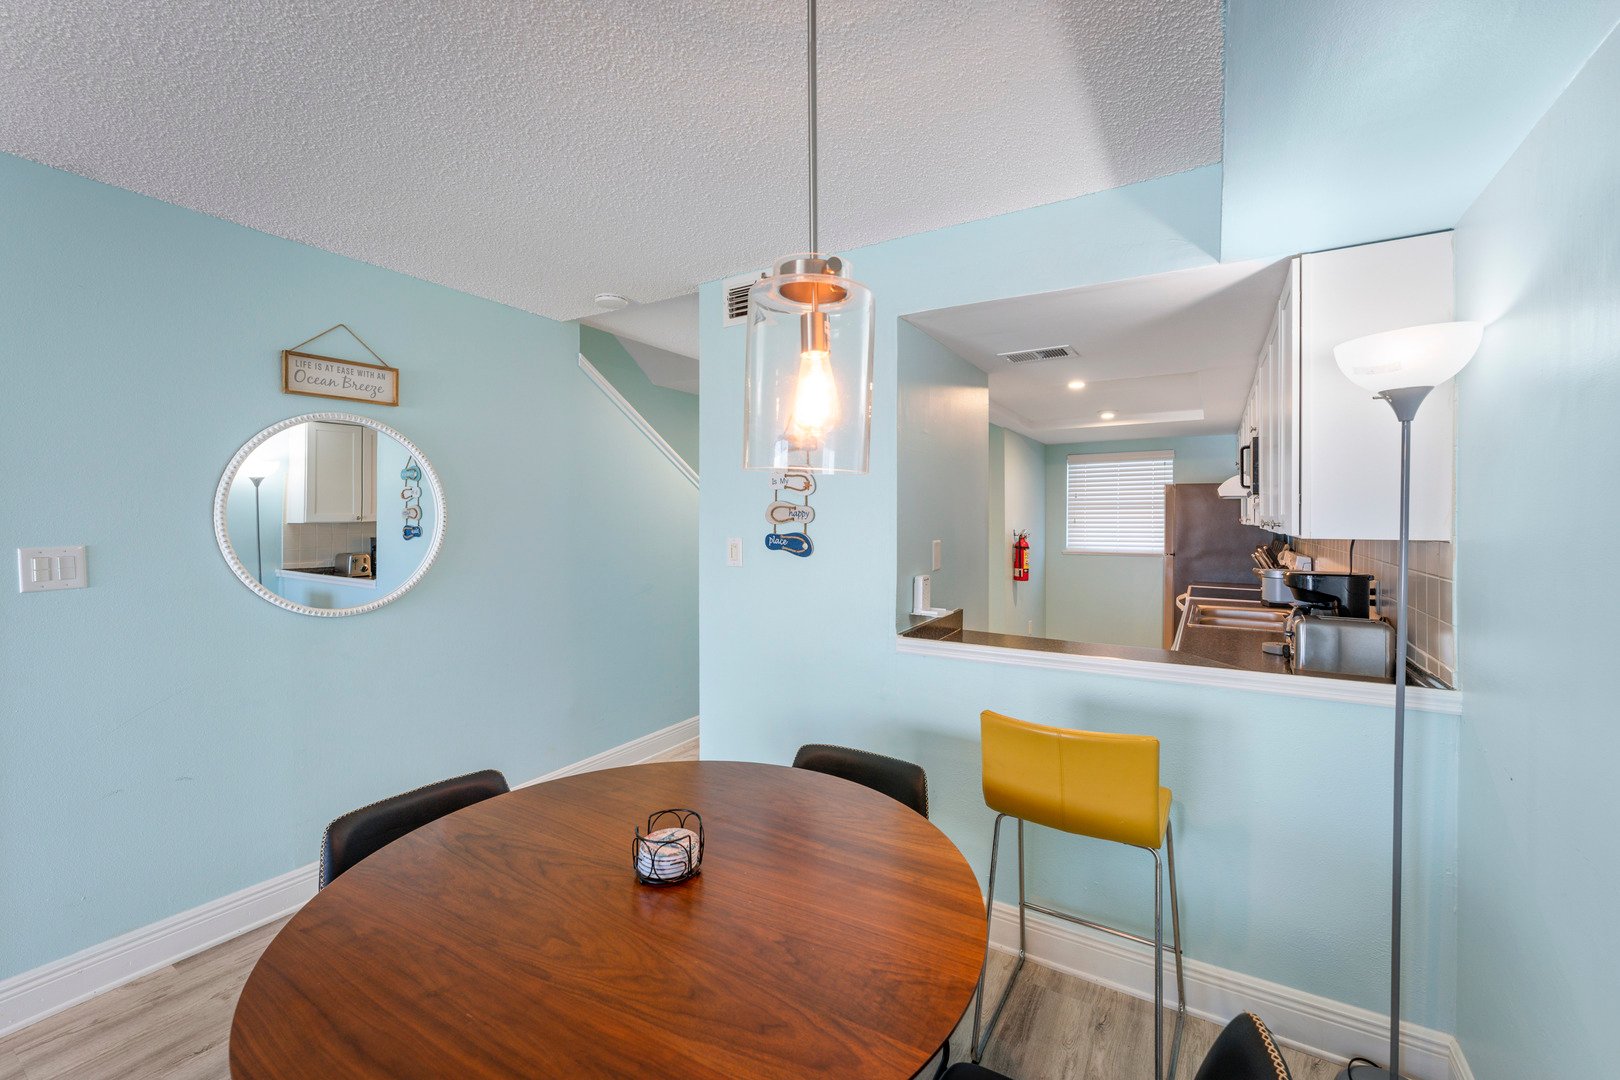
[(808, 400), (1414, 356)]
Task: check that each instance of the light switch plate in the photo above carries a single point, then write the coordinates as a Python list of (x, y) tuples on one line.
[(939, 546), (45, 569), (734, 551)]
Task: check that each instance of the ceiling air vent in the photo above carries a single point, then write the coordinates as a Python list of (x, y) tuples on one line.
[(1029, 356), (734, 295)]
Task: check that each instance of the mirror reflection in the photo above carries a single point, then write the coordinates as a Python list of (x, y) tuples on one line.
[(1172, 468), (331, 514)]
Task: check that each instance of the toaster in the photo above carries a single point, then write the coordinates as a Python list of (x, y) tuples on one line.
[(352, 564), (1341, 646)]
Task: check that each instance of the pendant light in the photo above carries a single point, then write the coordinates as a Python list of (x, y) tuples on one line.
[(808, 400)]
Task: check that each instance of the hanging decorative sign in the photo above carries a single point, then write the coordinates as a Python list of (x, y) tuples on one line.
[(412, 494), (793, 481), (327, 376), (780, 513), (794, 543), (785, 512)]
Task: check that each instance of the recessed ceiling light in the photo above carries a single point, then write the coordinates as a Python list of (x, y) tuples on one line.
[(1107, 415), (1076, 384), (611, 301)]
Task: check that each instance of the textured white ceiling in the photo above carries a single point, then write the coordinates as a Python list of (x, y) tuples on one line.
[(1172, 354), (539, 153), (661, 337), (671, 325)]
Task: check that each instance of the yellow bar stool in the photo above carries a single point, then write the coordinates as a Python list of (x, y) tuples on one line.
[(1091, 784)]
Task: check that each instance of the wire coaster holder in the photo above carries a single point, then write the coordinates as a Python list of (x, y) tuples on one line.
[(690, 863)]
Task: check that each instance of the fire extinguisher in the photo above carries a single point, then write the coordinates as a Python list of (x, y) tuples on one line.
[(1021, 556)]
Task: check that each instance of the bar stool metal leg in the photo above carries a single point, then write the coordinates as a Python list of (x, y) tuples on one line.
[(977, 1046), (1158, 967), (1175, 933)]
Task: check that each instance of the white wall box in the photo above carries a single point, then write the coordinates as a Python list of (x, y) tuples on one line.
[(1329, 453), (331, 473)]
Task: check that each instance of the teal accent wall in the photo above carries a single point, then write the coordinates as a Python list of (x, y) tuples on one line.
[(397, 557), (1118, 599), (1538, 261), (672, 413), (1282, 803), (1367, 120), (1017, 501), (167, 737), (945, 458)]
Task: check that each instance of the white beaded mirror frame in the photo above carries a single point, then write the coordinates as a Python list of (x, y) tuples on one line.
[(429, 480)]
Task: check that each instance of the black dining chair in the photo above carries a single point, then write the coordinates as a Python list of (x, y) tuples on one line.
[(899, 780), (369, 829), (1244, 1050)]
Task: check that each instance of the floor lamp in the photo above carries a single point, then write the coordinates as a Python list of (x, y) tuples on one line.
[(1401, 367), (256, 471)]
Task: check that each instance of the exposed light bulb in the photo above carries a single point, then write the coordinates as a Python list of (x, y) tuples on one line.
[(1076, 384), (815, 397)]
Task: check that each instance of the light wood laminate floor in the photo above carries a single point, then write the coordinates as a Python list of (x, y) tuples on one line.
[(173, 1025)]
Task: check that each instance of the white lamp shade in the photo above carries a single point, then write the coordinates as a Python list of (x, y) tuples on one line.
[(1413, 356), (265, 459), (808, 399)]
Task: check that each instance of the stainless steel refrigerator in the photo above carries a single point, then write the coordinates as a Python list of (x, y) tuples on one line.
[(1205, 543)]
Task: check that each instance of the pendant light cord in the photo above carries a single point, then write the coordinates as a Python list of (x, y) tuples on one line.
[(810, 49)]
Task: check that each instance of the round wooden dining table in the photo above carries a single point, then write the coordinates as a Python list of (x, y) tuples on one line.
[(833, 932)]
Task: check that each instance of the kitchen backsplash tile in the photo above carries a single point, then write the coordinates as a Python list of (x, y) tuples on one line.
[(1433, 638), (309, 545)]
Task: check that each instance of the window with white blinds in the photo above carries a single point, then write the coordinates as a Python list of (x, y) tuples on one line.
[(1116, 502)]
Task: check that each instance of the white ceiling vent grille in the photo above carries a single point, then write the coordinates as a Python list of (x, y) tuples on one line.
[(1030, 356), (734, 297)]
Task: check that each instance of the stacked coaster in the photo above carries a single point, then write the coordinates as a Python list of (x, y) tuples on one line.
[(668, 855)]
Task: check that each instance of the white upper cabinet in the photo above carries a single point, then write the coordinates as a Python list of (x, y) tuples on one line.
[(332, 474), (1329, 453)]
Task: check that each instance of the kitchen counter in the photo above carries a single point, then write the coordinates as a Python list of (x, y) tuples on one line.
[(326, 576), (1214, 656), (1227, 646), (949, 628)]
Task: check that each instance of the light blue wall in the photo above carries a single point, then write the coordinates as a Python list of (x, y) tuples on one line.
[(1283, 803), (672, 413), (397, 557), (1118, 599), (1367, 119), (1538, 260), (945, 458), (1017, 501), (167, 737)]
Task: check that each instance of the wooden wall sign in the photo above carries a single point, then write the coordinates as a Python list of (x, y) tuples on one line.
[(348, 380)]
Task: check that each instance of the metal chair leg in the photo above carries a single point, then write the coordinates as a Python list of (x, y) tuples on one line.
[(977, 1045), (1158, 968), (1175, 934)]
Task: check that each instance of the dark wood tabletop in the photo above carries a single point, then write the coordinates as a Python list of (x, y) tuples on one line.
[(832, 932)]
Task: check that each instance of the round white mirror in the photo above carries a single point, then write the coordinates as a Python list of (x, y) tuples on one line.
[(329, 514)]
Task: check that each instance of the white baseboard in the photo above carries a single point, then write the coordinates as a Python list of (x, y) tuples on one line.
[(50, 988), (1459, 1064), (1316, 1025), (650, 747)]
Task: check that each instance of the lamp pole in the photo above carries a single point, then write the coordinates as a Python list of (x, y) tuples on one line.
[(258, 545), (1401, 367), (1405, 402)]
